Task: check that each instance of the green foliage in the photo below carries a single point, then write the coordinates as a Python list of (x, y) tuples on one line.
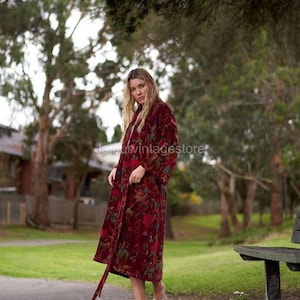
[(177, 186), (116, 138), (13, 26), (80, 138), (241, 118), (100, 189), (214, 28), (76, 147), (248, 14), (234, 79)]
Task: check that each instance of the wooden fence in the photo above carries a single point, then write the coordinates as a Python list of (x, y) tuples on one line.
[(14, 210)]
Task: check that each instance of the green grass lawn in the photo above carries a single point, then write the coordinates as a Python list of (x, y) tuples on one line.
[(195, 267)]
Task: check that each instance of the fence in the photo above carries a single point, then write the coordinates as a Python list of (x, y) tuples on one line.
[(14, 210)]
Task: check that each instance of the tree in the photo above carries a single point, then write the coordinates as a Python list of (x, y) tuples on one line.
[(117, 134), (201, 40), (12, 25), (76, 150), (179, 24), (245, 118), (66, 67)]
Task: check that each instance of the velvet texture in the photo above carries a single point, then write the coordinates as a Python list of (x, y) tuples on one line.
[(132, 235)]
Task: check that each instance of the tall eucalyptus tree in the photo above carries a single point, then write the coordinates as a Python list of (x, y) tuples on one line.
[(65, 41)]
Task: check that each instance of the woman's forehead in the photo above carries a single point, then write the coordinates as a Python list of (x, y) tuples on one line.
[(135, 82)]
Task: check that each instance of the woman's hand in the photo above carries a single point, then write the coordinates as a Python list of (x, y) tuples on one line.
[(137, 175), (112, 175)]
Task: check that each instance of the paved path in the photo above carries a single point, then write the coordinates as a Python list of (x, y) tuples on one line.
[(43, 289), (40, 242)]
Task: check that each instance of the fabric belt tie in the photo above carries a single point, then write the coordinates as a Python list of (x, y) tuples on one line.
[(102, 281), (116, 236)]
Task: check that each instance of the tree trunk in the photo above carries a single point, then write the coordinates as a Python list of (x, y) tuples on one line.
[(232, 207), (294, 193), (276, 192), (76, 206), (276, 205), (169, 230), (41, 217), (79, 181), (75, 214), (78, 186), (225, 227), (251, 190)]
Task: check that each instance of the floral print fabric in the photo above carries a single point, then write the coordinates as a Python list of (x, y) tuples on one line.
[(132, 234)]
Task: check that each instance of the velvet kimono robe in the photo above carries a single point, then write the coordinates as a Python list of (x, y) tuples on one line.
[(132, 235)]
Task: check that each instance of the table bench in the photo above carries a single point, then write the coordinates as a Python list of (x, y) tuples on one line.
[(272, 256)]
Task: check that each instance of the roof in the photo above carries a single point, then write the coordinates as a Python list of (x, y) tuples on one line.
[(94, 163), (12, 143), (103, 159), (109, 154)]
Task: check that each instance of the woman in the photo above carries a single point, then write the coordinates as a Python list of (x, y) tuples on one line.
[(132, 235)]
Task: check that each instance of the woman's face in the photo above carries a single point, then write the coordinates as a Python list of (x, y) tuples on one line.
[(138, 89)]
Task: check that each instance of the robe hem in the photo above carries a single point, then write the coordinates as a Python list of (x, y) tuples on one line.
[(125, 274)]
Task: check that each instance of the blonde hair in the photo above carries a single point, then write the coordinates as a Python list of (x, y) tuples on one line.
[(130, 106)]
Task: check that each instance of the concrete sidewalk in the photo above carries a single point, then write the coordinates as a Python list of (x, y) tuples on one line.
[(43, 289)]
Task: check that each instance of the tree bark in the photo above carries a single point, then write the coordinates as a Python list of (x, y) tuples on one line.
[(276, 205), (251, 190), (79, 181), (276, 192), (76, 206), (294, 193), (76, 214), (225, 227), (41, 217), (169, 230), (232, 206), (41, 161)]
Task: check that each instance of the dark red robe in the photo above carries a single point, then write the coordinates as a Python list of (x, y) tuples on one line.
[(132, 235)]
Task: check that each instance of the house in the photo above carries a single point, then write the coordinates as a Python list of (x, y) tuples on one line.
[(109, 155), (16, 169)]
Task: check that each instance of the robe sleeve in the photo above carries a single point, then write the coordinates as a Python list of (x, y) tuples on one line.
[(160, 159)]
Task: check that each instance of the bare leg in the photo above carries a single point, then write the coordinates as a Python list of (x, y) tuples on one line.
[(138, 287), (159, 290)]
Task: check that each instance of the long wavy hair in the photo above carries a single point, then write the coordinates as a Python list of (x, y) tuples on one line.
[(130, 107)]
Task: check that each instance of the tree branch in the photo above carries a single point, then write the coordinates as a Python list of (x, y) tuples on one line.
[(295, 188), (246, 177)]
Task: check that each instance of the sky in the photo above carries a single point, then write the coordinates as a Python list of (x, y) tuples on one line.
[(108, 112)]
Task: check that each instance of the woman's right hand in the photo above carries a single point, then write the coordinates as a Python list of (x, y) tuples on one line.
[(112, 175)]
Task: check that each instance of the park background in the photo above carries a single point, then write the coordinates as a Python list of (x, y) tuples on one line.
[(230, 69)]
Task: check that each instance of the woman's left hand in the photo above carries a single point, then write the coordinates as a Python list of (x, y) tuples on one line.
[(137, 175)]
